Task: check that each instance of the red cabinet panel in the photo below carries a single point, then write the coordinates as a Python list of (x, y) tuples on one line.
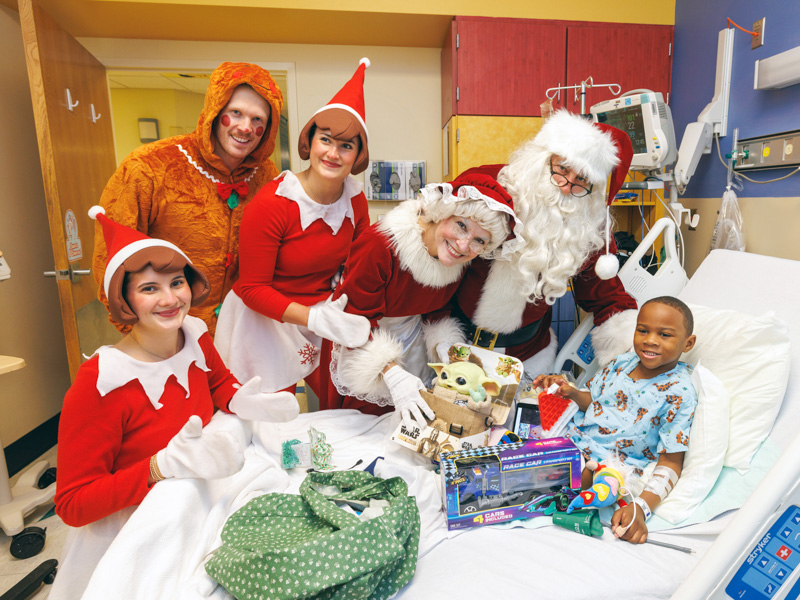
[(500, 67), (634, 56), (503, 67)]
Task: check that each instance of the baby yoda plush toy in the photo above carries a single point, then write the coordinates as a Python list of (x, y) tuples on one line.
[(472, 387)]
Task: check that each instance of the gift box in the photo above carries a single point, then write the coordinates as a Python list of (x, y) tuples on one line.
[(459, 423), (494, 484)]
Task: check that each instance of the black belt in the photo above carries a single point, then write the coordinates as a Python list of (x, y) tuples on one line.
[(484, 338)]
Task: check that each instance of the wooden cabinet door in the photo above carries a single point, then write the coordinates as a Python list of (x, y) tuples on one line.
[(633, 56), (76, 150), (501, 67)]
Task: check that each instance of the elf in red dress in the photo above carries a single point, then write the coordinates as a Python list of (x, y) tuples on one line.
[(136, 412), (295, 236), (558, 183), (399, 273)]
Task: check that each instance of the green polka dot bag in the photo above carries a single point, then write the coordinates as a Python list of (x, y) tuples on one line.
[(284, 546)]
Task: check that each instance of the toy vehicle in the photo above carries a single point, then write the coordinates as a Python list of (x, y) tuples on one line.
[(551, 502)]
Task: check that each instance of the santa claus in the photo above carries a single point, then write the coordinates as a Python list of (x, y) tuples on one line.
[(558, 184)]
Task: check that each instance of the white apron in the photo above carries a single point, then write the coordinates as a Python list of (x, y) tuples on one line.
[(253, 344)]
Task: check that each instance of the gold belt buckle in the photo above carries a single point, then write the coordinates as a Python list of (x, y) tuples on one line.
[(476, 338)]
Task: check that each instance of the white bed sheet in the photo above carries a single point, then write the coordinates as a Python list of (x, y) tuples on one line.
[(160, 551)]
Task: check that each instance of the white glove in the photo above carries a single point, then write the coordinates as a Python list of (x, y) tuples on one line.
[(195, 454), (250, 403), (404, 388), (332, 323), (443, 351)]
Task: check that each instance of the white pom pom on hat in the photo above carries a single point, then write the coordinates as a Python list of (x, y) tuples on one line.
[(607, 266), (365, 61), (96, 210)]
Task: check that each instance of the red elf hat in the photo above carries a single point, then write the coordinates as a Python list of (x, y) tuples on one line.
[(344, 115), (130, 251)]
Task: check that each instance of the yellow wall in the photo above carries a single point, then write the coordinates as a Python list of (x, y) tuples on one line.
[(770, 227), (402, 87), (30, 317), (175, 110)]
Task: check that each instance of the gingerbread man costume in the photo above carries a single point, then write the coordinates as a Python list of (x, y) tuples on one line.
[(178, 189)]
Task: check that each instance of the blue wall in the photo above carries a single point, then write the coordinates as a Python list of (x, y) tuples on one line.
[(754, 112)]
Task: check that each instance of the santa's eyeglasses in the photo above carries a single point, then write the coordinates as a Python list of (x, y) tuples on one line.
[(558, 177)]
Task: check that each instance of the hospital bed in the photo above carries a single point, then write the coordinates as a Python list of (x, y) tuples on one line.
[(161, 550)]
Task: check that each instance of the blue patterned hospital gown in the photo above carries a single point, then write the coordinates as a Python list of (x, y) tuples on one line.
[(638, 419)]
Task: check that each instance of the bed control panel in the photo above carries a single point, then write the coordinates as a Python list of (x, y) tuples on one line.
[(770, 570)]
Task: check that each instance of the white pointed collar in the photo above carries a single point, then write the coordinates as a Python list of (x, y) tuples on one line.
[(333, 214), (115, 368)]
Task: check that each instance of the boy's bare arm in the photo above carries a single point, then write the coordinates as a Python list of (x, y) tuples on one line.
[(637, 531)]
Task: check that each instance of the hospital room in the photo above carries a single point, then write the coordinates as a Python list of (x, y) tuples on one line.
[(361, 301)]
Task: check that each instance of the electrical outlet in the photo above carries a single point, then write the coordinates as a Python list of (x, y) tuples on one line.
[(758, 40)]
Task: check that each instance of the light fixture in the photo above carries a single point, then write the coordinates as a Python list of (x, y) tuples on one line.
[(779, 71), (148, 130)]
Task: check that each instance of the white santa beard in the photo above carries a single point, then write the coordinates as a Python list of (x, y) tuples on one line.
[(561, 232)]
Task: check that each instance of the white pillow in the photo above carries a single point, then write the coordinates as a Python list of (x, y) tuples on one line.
[(702, 463), (750, 355)]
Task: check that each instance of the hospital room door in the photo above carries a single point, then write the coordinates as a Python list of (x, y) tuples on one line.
[(76, 148)]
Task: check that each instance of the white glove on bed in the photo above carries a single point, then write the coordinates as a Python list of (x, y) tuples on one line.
[(404, 388), (195, 454), (332, 323), (443, 352), (250, 403)]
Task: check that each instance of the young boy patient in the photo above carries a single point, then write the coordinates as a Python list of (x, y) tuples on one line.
[(640, 408)]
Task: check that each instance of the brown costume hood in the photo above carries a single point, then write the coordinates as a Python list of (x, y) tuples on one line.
[(226, 78)]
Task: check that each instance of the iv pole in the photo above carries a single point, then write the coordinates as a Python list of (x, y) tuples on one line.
[(582, 86)]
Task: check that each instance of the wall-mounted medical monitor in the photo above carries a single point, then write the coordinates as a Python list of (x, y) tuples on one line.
[(647, 120)]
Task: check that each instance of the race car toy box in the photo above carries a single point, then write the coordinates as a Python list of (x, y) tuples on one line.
[(494, 484)]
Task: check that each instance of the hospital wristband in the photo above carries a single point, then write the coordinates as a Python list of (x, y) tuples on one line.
[(644, 506), (155, 472)]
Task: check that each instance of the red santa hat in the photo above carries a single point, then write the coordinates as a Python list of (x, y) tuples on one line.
[(130, 251), (344, 116), (596, 151)]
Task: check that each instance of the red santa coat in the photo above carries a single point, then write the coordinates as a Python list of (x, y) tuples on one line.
[(603, 298), (105, 440), (391, 279)]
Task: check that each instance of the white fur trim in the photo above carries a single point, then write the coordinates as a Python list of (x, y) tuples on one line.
[(584, 147), (544, 361), (403, 228), (126, 252), (445, 330), (358, 371), (614, 337), (502, 300)]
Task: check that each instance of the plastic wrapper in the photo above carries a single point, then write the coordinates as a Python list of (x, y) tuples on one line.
[(729, 228)]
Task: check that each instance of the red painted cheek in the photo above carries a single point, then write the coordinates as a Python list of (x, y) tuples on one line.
[(259, 130), (225, 120)]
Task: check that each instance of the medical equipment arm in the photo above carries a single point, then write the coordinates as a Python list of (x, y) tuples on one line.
[(712, 120)]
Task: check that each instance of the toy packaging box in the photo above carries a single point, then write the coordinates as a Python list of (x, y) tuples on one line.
[(465, 414), (494, 484)]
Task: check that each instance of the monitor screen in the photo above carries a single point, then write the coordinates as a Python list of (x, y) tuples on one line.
[(629, 119)]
